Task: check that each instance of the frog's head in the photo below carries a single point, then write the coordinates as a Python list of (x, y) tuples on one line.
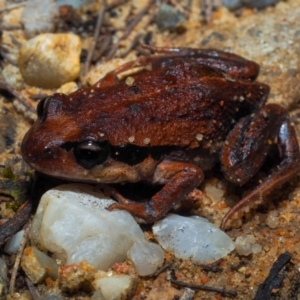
[(59, 144)]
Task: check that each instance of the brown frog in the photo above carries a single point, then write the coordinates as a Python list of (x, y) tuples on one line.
[(165, 123)]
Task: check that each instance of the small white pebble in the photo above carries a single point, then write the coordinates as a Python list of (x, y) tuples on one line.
[(272, 219), (243, 245), (256, 248)]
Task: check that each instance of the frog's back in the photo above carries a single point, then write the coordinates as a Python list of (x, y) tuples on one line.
[(185, 105)]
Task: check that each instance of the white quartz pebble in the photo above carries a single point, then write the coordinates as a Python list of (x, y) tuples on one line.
[(39, 16), (50, 60), (13, 244), (146, 257), (192, 238), (116, 287), (72, 222)]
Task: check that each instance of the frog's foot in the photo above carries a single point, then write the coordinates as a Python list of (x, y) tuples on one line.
[(249, 143), (179, 179), (142, 212)]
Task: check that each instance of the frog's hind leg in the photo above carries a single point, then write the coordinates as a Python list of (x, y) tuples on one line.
[(248, 144), (229, 63), (180, 179)]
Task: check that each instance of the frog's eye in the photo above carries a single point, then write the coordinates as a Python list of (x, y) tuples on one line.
[(88, 154), (41, 108)]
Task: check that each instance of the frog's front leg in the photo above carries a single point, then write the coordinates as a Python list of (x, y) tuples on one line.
[(179, 179), (248, 144)]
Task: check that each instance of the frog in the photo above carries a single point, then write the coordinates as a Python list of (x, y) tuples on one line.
[(166, 119)]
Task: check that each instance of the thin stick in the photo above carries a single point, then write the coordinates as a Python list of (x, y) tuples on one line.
[(162, 269), (105, 42), (32, 289), (7, 87), (7, 57), (135, 41), (13, 225), (18, 259), (204, 288), (96, 35), (128, 30)]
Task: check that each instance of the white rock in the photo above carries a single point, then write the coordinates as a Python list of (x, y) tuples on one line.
[(50, 60), (192, 238), (13, 244), (245, 245), (37, 265), (39, 16), (72, 222), (116, 287), (146, 257)]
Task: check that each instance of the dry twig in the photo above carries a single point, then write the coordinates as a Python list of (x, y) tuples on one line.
[(18, 259), (274, 280), (96, 35), (7, 87), (204, 288), (7, 57), (129, 29), (13, 225), (32, 289)]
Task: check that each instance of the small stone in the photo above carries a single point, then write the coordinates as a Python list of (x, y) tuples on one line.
[(243, 245), (72, 222), (116, 287), (272, 219), (192, 238), (37, 265), (39, 16), (256, 248), (76, 276), (168, 17), (213, 192), (188, 294), (50, 60), (13, 244), (146, 257)]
